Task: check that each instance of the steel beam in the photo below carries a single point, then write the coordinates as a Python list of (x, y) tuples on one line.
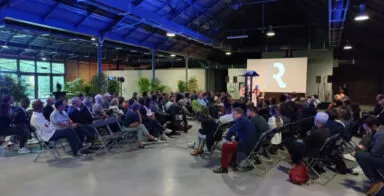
[(151, 19), (153, 65), (51, 11), (11, 14), (83, 19)]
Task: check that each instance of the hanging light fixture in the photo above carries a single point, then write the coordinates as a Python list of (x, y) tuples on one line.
[(347, 46), (270, 32), (93, 38), (228, 53), (173, 55), (169, 34), (362, 15)]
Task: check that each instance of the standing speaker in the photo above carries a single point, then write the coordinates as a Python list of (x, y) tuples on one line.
[(318, 79), (234, 79), (330, 79)]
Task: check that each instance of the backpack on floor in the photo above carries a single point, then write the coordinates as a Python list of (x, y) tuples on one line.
[(299, 174)]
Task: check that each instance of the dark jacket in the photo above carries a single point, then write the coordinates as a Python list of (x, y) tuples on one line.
[(315, 140), (334, 127), (208, 128), (82, 116), (22, 117), (260, 124), (47, 111), (377, 149), (245, 134)]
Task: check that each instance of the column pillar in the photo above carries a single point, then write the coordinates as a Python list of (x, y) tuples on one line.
[(100, 54), (186, 69), (153, 51)]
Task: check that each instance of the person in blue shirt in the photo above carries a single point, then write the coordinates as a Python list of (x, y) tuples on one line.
[(244, 134)]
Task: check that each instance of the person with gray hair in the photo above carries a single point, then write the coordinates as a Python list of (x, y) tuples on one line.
[(312, 143), (114, 109), (98, 109)]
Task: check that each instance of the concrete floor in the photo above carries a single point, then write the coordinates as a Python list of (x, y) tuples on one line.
[(164, 169)]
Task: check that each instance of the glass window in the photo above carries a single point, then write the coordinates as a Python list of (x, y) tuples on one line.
[(8, 64), (29, 83), (27, 66), (60, 80), (43, 67), (58, 68), (44, 86), (12, 75)]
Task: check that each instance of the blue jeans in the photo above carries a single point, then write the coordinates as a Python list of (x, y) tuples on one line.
[(370, 166), (71, 137)]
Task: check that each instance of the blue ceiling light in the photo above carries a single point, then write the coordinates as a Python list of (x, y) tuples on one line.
[(362, 15)]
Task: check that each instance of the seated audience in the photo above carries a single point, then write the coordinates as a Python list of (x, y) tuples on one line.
[(98, 109), (47, 132), (334, 125), (8, 127), (260, 123), (371, 161), (205, 135), (61, 121), (114, 109), (21, 115), (48, 109), (244, 132), (150, 122), (312, 143), (378, 108), (160, 114), (81, 113), (133, 122), (106, 100), (275, 122)]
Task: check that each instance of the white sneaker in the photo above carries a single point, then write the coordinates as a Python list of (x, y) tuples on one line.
[(191, 145), (33, 141), (349, 157), (357, 169), (167, 131), (164, 137), (23, 150)]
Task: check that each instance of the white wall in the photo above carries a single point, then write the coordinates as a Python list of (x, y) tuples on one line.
[(320, 63), (168, 77), (236, 72)]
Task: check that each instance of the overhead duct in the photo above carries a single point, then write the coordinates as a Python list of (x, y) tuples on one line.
[(338, 10)]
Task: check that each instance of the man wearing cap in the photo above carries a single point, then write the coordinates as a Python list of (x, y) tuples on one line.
[(47, 132)]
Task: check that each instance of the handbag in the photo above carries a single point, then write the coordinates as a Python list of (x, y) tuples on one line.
[(299, 174)]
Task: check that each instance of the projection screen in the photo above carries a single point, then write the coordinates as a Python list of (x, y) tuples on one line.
[(280, 75)]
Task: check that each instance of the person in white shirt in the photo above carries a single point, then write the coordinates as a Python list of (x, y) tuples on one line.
[(275, 121), (46, 131)]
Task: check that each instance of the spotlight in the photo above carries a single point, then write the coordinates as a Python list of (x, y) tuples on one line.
[(4, 46), (93, 38), (347, 46), (171, 34), (362, 15), (228, 53), (43, 58), (173, 55), (270, 32)]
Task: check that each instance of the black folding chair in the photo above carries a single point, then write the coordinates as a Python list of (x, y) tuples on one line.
[(316, 160), (219, 133), (256, 155)]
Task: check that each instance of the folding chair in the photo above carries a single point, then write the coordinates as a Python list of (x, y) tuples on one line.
[(105, 139), (50, 146), (257, 153), (219, 133), (318, 158)]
